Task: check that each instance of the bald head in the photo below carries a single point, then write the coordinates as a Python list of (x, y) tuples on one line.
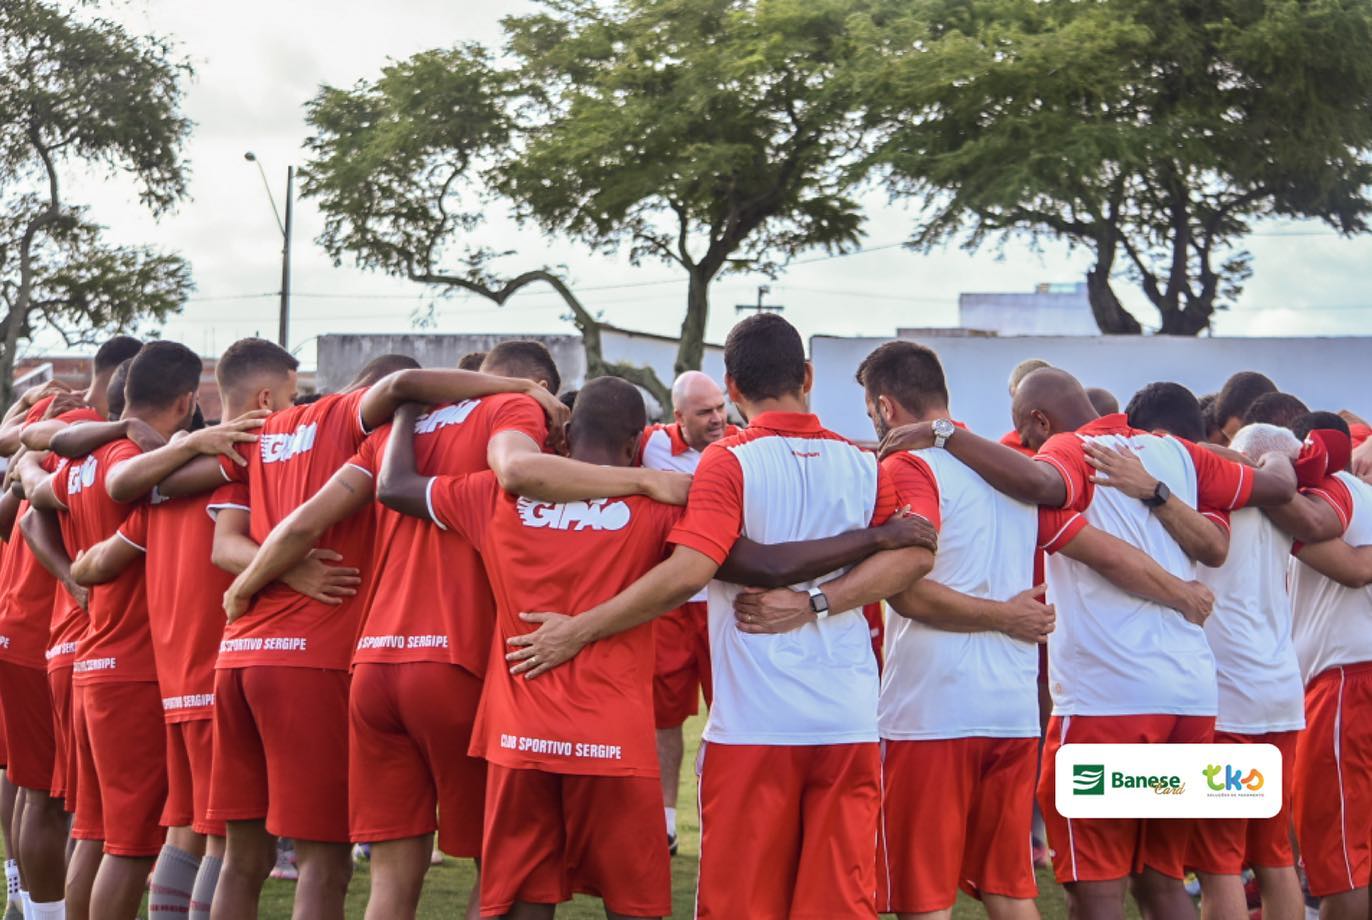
[(698, 404), (1049, 401)]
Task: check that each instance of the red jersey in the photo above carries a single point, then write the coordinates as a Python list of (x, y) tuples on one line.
[(594, 714), (185, 597), (297, 451), (429, 599), (33, 608), (117, 646), (1011, 439)]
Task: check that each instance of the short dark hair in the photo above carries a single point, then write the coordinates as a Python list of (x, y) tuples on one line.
[(382, 366), (568, 399), (1238, 393), (1169, 407), (1275, 409), (765, 357), (161, 373), (906, 372), (249, 357), (197, 419), (116, 350), (1314, 421), (1207, 404), (471, 361), (114, 395), (305, 399), (608, 411), (524, 358)]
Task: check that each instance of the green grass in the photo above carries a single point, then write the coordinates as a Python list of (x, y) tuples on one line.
[(447, 887)]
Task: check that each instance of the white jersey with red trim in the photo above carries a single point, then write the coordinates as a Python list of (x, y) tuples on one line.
[(1112, 653), (1332, 623), (663, 448), (1250, 630), (941, 684)]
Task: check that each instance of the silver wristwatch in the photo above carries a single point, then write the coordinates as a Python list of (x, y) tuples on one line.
[(943, 430)]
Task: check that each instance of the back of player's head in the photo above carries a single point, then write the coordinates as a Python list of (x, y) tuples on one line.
[(1169, 407), (471, 361), (523, 358), (1275, 409), (765, 358), (1213, 433), (1024, 369), (1258, 438), (248, 361), (114, 395), (568, 399), (116, 350), (1103, 400), (1238, 393), (906, 373), (609, 413), (1316, 421), (380, 367), (160, 374)]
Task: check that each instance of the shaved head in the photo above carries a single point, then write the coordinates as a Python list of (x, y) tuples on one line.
[(698, 405), (1049, 401)]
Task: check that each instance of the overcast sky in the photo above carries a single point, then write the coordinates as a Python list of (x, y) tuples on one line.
[(257, 62)]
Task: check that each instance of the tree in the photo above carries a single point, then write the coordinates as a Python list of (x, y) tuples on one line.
[(714, 135), (81, 91), (1150, 132)]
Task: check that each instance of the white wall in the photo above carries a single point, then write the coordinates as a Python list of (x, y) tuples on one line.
[(1325, 373)]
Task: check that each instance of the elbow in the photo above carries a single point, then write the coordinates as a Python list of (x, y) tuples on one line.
[(119, 491), (514, 475), (1213, 555), (389, 491)]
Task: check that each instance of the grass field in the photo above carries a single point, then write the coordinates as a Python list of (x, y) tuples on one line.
[(445, 892)]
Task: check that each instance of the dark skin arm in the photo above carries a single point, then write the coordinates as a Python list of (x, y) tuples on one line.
[(80, 440), (44, 537), (777, 565), (1007, 471), (9, 511)]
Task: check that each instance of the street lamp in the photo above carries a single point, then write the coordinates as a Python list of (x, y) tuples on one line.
[(283, 328)]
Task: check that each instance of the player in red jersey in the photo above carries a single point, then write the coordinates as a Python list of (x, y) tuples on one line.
[(184, 593), (120, 749), (682, 636)]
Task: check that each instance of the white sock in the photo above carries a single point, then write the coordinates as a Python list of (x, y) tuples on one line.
[(671, 820), (12, 881), (49, 910)]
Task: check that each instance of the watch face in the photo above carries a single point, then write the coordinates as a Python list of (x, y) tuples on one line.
[(943, 427)]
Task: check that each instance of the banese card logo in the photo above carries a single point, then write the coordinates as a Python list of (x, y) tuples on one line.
[(1168, 780)]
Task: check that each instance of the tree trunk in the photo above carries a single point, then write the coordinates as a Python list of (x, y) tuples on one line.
[(1192, 319), (1110, 314), (691, 350)]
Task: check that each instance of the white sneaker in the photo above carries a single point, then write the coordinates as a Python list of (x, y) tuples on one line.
[(285, 868)]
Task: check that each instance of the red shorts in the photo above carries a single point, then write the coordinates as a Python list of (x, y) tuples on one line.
[(1333, 794), (1223, 846), (1102, 849), (955, 812), (281, 750), (681, 671), (63, 782), (190, 762), (787, 833), (26, 708), (549, 835), (121, 762), (409, 729)]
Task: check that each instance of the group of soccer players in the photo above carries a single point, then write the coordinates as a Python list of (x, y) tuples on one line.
[(441, 601)]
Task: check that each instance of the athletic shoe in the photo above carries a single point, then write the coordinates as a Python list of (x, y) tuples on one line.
[(1042, 858), (436, 857), (1192, 885), (671, 843), (285, 862), (362, 852)]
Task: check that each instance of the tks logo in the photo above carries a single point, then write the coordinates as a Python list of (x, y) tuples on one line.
[(601, 514), (1231, 779)]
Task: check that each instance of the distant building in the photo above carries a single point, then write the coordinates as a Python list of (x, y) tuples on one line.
[(1051, 309)]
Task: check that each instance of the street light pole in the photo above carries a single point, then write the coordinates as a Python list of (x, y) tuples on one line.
[(283, 330), (283, 326)]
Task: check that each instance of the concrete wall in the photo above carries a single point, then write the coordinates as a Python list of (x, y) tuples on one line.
[(1324, 373), (342, 356)]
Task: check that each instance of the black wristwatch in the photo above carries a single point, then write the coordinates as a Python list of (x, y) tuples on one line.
[(819, 604), (1159, 497)]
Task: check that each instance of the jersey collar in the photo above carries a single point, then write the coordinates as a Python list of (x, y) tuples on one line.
[(679, 445), (794, 422), (1114, 423)]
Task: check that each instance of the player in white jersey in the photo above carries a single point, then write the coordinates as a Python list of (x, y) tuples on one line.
[(958, 710), (1121, 669), (790, 782), (681, 671), (1333, 638)]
